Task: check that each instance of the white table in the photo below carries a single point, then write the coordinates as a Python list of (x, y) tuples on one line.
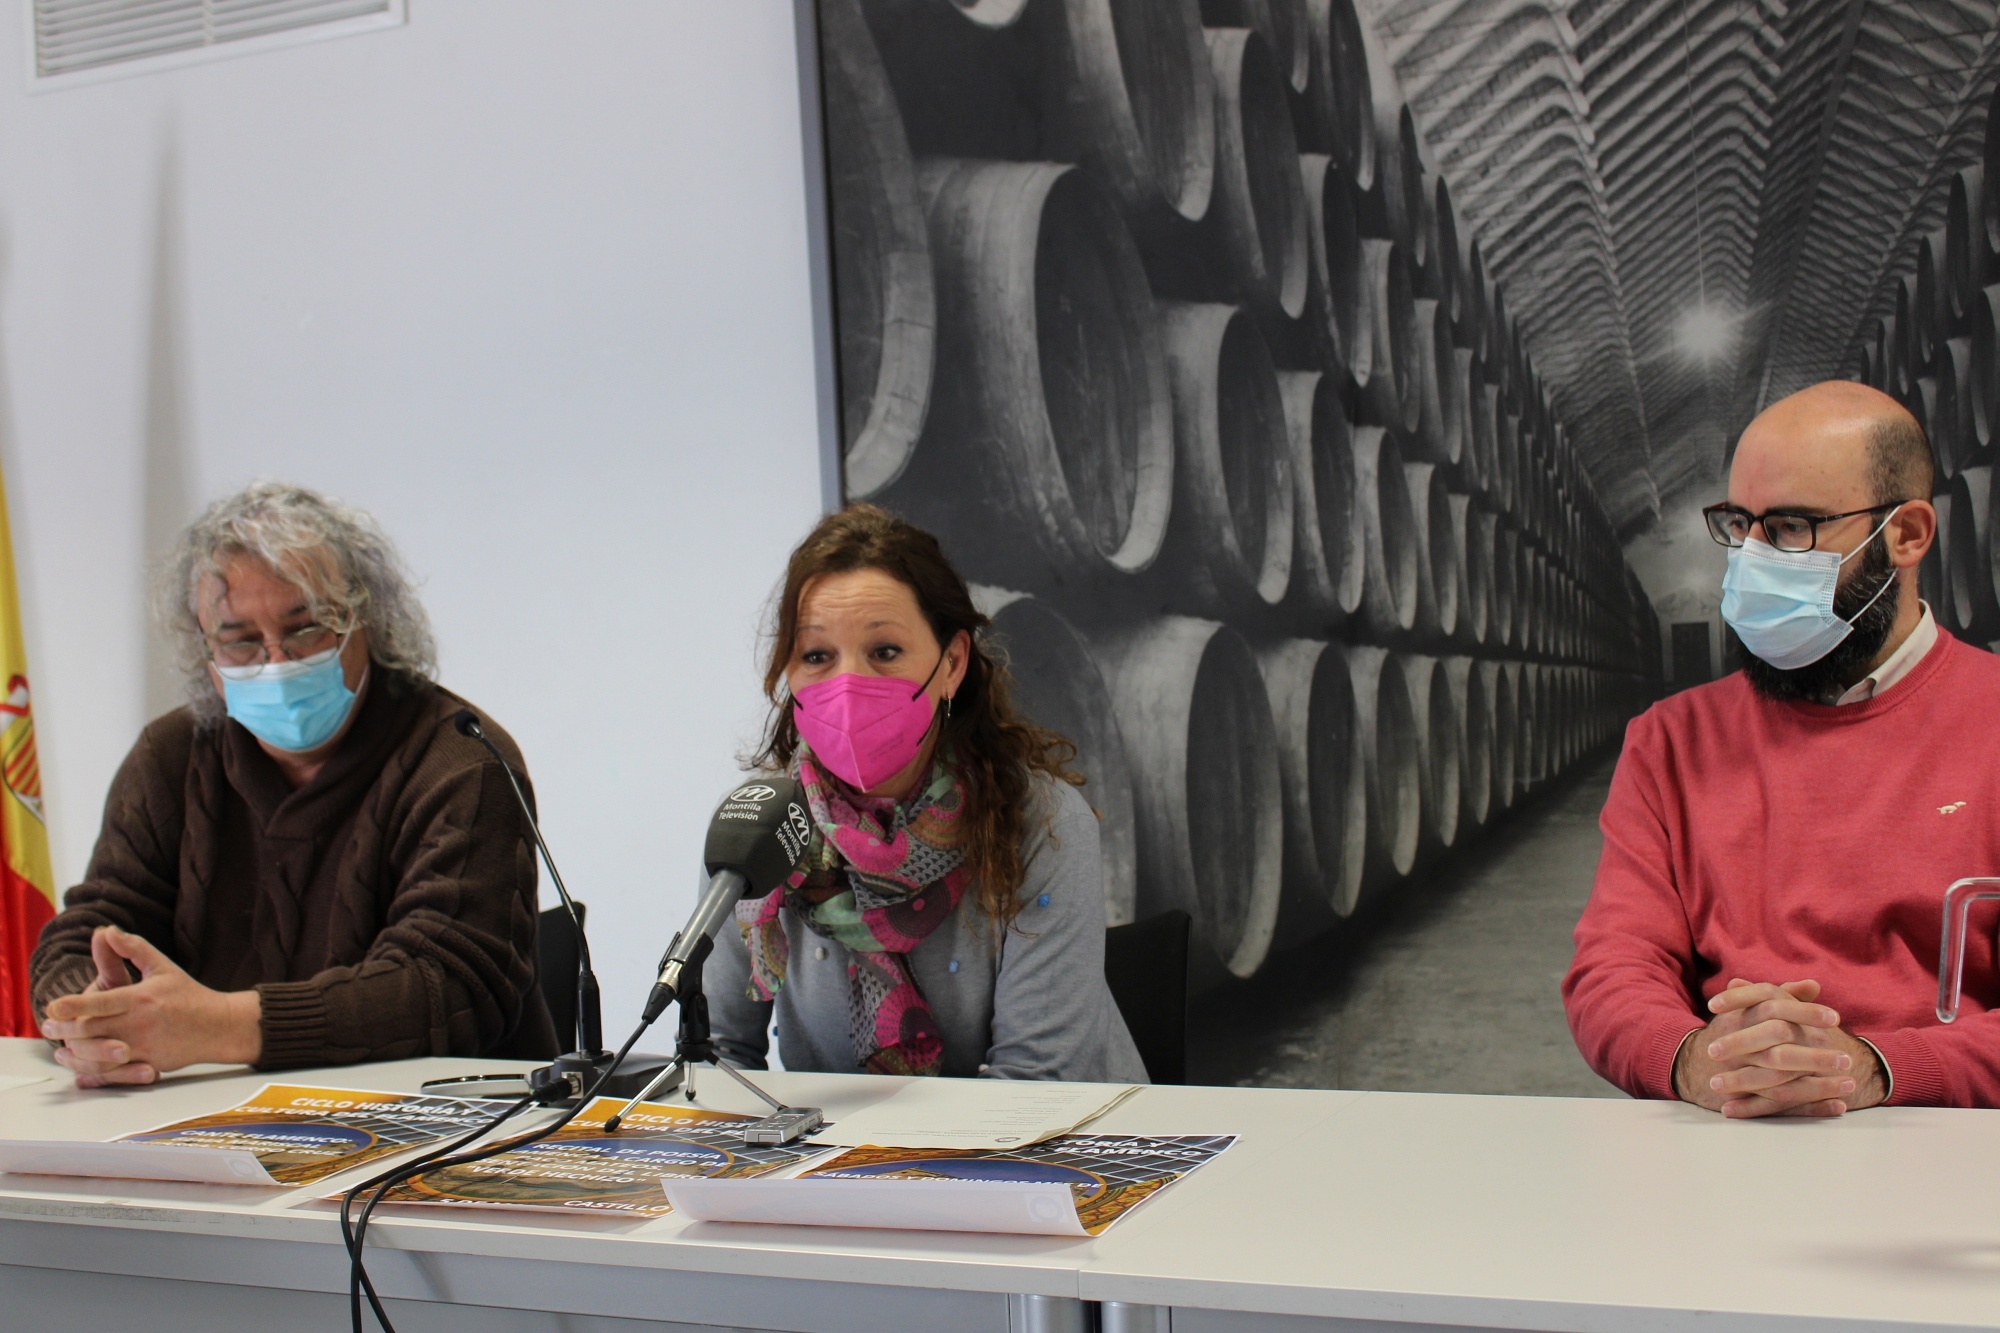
[(1334, 1211)]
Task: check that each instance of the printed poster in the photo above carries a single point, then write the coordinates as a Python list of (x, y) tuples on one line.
[(1108, 1175), (582, 1168), (1076, 1185), (285, 1134)]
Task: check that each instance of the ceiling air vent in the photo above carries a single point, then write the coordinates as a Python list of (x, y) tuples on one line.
[(106, 37)]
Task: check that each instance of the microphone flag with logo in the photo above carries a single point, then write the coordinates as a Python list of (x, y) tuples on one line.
[(756, 840), (761, 829), (27, 884)]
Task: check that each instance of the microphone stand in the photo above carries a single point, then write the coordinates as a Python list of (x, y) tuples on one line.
[(565, 1081), (695, 1045)]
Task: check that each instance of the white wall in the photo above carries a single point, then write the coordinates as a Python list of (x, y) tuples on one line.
[(527, 279)]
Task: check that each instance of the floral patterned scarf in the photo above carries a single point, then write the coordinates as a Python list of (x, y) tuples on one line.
[(880, 879)]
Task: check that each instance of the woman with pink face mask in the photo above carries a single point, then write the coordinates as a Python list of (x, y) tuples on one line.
[(950, 920)]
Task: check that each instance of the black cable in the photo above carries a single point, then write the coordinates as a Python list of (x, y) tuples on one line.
[(357, 1274), (354, 1230), (355, 1233)]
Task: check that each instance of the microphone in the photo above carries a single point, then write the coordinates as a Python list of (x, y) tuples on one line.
[(756, 839)]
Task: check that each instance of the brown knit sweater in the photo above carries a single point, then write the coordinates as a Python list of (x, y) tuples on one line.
[(384, 910)]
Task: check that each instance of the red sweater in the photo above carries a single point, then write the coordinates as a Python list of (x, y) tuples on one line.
[(1778, 841)]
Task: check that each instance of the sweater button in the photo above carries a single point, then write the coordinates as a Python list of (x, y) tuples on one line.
[(820, 953)]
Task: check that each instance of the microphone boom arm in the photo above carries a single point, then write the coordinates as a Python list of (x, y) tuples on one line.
[(589, 1007)]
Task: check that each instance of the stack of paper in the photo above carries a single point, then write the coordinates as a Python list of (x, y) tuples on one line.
[(283, 1135), (1072, 1186)]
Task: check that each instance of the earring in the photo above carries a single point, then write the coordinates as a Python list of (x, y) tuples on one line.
[(947, 708)]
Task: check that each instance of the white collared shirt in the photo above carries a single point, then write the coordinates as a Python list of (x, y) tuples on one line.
[(1901, 662)]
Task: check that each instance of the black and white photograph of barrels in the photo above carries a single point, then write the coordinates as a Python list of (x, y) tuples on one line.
[(1322, 394)]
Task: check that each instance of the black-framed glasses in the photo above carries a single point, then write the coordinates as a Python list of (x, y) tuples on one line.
[(306, 641), (1786, 529)]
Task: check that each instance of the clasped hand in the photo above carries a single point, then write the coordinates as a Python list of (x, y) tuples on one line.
[(117, 1030), (1773, 1050)]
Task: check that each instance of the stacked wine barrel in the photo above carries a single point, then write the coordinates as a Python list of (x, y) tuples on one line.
[(1936, 352), (1154, 311)]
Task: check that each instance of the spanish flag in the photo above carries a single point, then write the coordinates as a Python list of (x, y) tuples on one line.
[(27, 885)]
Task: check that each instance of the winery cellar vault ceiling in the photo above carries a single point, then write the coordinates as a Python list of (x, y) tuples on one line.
[(1646, 174)]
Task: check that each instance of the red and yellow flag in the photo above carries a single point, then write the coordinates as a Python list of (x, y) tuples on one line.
[(27, 885)]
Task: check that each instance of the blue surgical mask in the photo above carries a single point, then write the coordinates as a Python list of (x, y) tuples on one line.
[(1780, 603), (293, 706)]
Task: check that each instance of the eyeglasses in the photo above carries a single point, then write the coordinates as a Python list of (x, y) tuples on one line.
[(1785, 529), (307, 641)]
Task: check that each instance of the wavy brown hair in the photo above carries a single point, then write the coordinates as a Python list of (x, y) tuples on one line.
[(996, 751)]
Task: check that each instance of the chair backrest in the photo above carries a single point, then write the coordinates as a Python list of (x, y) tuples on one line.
[(555, 956), (1145, 964)]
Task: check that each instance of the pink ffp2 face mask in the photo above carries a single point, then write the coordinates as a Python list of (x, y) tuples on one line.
[(864, 729)]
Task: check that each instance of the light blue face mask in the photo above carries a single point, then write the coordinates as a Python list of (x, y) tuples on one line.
[(292, 706), (1780, 603)]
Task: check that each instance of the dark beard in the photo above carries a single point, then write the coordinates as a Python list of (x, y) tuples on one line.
[(1826, 679)]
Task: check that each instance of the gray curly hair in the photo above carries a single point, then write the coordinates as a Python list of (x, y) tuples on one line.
[(335, 554)]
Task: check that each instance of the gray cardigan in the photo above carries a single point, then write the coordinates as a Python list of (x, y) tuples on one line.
[(1037, 1007)]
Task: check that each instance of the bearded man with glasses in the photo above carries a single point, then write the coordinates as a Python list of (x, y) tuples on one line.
[(306, 864), (1762, 936)]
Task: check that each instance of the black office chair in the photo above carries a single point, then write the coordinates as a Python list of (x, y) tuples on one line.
[(1145, 964), (555, 955)]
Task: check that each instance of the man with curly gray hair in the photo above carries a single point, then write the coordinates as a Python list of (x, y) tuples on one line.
[(306, 864)]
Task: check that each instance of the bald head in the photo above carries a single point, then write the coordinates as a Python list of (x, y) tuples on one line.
[(1833, 447), (1901, 457)]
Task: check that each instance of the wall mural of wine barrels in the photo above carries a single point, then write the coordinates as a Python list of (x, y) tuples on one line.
[(1934, 350), (1275, 370)]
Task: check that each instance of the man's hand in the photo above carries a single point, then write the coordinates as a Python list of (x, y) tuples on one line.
[(1771, 1050), (121, 1031)]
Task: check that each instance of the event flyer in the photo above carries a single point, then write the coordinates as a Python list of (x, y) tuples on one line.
[(582, 1168), (285, 1134), (1076, 1185), (1108, 1174), (302, 1135)]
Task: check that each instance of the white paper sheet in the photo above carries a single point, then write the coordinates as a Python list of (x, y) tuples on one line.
[(904, 1205), (8, 1082), (132, 1161), (973, 1113)]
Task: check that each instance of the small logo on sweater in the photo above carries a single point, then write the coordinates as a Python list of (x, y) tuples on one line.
[(1951, 809)]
